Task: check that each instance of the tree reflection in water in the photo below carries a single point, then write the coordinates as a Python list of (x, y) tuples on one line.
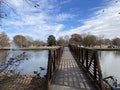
[(12, 62), (3, 56), (11, 76)]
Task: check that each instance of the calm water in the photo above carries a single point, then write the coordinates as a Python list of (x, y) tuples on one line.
[(24, 62), (110, 63)]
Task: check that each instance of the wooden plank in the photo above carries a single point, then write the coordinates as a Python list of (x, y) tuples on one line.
[(70, 75)]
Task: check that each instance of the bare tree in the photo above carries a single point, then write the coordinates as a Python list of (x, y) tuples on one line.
[(20, 40), (116, 41), (66, 40), (5, 4), (107, 41), (36, 43), (75, 39), (90, 40), (61, 41), (4, 40)]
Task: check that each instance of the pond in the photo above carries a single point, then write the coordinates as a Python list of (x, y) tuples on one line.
[(110, 63), (29, 62)]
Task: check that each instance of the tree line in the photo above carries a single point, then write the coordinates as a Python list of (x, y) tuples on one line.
[(75, 39)]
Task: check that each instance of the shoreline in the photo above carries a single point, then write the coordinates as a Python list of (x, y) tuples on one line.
[(55, 47), (107, 49), (31, 48)]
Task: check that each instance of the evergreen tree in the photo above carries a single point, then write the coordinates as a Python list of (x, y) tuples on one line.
[(51, 40)]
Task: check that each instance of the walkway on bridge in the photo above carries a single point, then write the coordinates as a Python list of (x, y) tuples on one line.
[(69, 76)]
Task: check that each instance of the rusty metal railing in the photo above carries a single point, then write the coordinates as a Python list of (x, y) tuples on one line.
[(53, 62), (89, 61)]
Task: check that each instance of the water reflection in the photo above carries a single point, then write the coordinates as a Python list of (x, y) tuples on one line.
[(110, 63), (3, 56), (24, 62), (37, 60)]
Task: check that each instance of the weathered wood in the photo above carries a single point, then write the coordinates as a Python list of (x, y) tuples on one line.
[(69, 76)]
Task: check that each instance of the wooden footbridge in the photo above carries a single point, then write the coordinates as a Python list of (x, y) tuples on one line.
[(77, 69), (72, 68)]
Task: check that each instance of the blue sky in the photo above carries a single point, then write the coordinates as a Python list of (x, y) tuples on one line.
[(61, 17)]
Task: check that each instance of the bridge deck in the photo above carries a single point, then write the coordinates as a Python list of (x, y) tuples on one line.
[(69, 76)]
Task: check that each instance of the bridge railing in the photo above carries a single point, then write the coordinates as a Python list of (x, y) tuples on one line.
[(54, 58), (89, 61)]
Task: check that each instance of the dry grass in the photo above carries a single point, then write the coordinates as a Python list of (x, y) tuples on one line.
[(13, 81)]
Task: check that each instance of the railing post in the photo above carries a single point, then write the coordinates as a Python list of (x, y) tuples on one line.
[(82, 54), (54, 60), (86, 55), (100, 72), (89, 60), (79, 54), (49, 69), (95, 65), (54, 57)]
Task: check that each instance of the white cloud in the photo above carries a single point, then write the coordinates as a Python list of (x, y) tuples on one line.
[(36, 22), (63, 16), (105, 21), (65, 1), (39, 22)]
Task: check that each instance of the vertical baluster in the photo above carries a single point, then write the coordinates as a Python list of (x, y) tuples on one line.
[(86, 55), (95, 66), (82, 54)]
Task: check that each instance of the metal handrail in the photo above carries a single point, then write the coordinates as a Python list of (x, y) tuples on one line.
[(54, 58), (89, 61)]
